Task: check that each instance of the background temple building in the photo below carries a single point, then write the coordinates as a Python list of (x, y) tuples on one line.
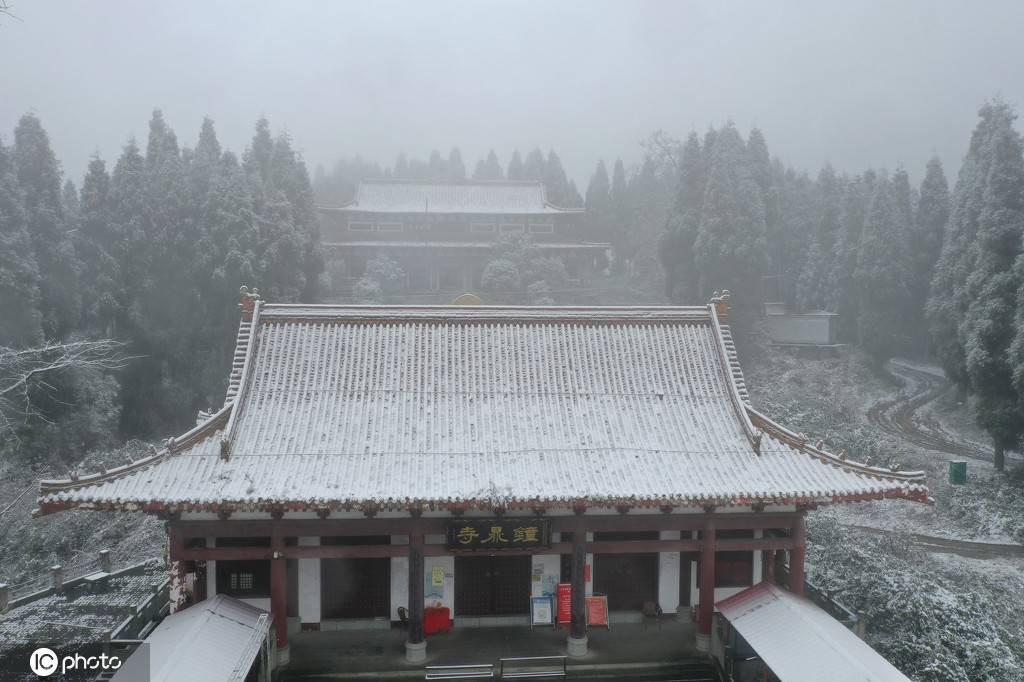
[(441, 233), (370, 460)]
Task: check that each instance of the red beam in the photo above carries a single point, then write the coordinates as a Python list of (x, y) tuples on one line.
[(250, 528), (648, 522)]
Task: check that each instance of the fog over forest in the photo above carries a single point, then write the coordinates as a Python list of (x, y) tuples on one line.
[(856, 84)]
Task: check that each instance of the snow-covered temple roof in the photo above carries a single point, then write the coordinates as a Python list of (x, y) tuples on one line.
[(377, 407), (461, 196)]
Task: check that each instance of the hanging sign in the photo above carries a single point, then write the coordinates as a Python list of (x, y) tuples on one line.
[(564, 603), (597, 611), (498, 534), (541, 611)]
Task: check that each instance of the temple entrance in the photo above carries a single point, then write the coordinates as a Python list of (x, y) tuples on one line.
[(492, 585), (629, 580), (356, 588)]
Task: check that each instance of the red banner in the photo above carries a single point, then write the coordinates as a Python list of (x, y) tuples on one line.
[(597, 611), (564, 603)]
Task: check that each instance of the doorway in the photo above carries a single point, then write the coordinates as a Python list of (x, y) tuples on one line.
[(492, 585)]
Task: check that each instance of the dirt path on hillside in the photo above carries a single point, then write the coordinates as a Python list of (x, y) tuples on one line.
[(964, 548), (899, 417)]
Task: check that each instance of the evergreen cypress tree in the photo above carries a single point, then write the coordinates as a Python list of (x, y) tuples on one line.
[(675, 248), (883, 276), (535, 166), (401, 169), (20, 320), (515, 167), (730, 247), (926, 240), (38, 175), (456, 168), (573, 197), (103, 295), (620, 214), (814, 282), (489, 168), (598, 203), (988, 328), (556, 184)]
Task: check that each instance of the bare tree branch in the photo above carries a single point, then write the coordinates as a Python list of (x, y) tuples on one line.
[(25, 370)]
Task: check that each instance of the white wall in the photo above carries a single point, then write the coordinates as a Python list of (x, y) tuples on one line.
[(399, 584), (309, 584), (545, 574), (668, 575), (439, 593)]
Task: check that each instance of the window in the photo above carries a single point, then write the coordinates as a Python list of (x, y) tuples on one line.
[(542, 228), (509, 228), (389, 227), (360, 227), (244, 578), (481, 227)]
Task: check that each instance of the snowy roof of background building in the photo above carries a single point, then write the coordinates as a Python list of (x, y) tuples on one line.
[(799, 641), (215, 640), (80, 613), (462, 196), (459, 406)]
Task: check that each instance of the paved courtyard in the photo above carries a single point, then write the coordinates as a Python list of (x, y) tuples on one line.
[(380, 654)]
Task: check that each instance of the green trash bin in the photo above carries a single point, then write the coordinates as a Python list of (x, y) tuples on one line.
[(958, 472)]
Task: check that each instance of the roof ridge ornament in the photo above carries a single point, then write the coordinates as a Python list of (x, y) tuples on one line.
[(248, 302), (721, 303)]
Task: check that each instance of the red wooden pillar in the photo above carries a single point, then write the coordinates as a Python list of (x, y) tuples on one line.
[(577, 643), (797, 555), (768, 566), (279, 593), (706, 608)]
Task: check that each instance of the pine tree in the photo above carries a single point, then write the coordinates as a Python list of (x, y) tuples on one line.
[(401, 169), (573, 197), (456, 168), (620, 214), (814, 282), (598, 203), (730, 246), (489, 168), (535, 166), (103, 295), (20, 321), (72, 207), (882, 276), (950, 299), (38, 175), (675, 248), (988, 330), (437, 165), (556, 184), (515, 167), (926, 240)]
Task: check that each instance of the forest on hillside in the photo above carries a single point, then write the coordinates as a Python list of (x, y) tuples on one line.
[(119, 296)]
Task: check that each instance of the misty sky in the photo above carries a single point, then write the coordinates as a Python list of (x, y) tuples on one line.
[(854, 83)]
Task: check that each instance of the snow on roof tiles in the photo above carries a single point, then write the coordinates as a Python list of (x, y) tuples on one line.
[(415, 196), (800, 642), (486, 406)]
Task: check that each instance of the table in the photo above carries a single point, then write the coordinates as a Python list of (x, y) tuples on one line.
[(436, 619)]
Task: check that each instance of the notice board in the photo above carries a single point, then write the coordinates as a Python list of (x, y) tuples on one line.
[(564, 603), (541, 611), (597, 611)]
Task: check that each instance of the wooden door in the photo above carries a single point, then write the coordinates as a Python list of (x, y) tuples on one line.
[(356, 588), (629, 580), (492, 585)]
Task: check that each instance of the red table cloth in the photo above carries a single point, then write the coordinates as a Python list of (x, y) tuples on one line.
[(436, 619)]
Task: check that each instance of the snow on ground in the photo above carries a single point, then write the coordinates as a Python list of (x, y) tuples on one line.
[(938, 616)]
